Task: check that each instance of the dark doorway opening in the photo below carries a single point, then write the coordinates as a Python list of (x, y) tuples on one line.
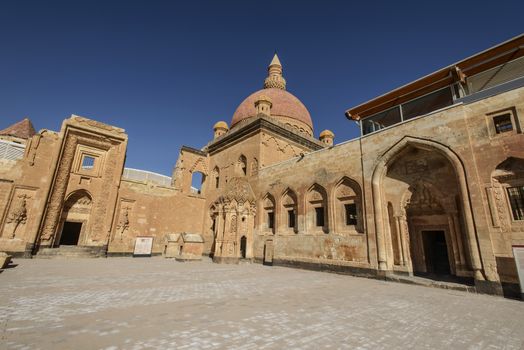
[(70, 233), (243, 244), (436, 252)]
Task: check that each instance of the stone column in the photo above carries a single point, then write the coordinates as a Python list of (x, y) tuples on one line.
[(400, 240)]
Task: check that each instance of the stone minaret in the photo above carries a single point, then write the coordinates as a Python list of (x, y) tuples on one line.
[(275, 79)]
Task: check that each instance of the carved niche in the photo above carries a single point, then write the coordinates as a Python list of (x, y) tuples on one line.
[(423, 201)]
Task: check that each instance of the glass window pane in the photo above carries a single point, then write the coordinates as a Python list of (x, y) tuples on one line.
[(381, 120), (426, 104), (88, 162), (503, 123), (516, 199)]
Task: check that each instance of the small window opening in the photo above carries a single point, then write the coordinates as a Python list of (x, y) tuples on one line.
[(351, 213), (319, 216), (291, 218), (270, 220), (217, 181), (503, 123), (197, 182), (88, 162), (516, 199)]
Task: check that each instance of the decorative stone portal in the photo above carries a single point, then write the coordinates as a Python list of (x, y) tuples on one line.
[(234, 215), (424, 213), (74, 222)]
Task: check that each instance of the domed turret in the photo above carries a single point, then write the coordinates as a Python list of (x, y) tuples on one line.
[(220, 128), (263, 105), (285, 107), (327, 137)]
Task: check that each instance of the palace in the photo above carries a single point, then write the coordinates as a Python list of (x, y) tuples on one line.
[(433, 187)]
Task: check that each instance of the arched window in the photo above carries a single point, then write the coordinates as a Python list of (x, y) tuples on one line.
[(317, 219), (348, 206), (289, 211), (269, 211), (197, 182), (216, 176), (242, 165)]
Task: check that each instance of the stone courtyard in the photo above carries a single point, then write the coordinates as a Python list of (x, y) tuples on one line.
[(155, 303)]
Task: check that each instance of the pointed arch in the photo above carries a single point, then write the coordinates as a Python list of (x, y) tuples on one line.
[(316, 209), (380, 207), (348, 206), (289, 210), (74, 225), (242, 165), (268, 207)]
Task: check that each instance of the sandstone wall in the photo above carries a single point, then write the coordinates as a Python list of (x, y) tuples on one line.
[(145, 209)]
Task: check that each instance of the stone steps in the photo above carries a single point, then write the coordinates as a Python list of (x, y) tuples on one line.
[(65, 251)]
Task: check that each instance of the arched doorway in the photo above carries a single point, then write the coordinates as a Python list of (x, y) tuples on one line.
[(243, 247), (432, 241), (422, 212), (74, 222)]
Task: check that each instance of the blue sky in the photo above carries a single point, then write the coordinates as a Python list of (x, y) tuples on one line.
[(166, 71)]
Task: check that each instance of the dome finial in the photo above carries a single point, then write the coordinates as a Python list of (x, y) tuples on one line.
[(275, 79)]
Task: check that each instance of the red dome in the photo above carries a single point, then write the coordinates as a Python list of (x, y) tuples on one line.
[(284, 105)]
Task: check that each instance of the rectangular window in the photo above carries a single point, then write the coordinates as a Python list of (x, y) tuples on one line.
[(217, 181), (426, 104), (319, 216), (503, 123), (351, 213), (88, 162), (291, 218), (270, 219), (516, 199)]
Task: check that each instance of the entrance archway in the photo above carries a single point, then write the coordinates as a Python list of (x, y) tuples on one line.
[(74, 222), (420, 186)]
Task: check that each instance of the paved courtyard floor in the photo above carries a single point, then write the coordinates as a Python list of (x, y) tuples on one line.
[(126, 303)]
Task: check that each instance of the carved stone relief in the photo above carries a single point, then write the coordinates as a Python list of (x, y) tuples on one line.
[(18, 215), (423, 201), (123, 224), (284, 149)]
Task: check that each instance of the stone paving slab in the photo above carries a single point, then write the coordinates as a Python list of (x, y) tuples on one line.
[(126, 303)]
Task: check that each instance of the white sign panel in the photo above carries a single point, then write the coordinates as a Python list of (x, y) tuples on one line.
[(518, 253), (143, 246)]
